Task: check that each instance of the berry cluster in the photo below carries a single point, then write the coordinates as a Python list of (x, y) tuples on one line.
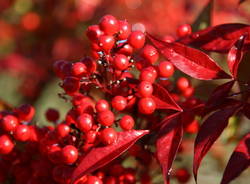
[(111, 91)]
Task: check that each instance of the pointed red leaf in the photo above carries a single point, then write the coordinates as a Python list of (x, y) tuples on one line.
[(163, 99), (235, 56), (219, 38), (100, 156), (189, 60), (239, 160), (219, 93), (167, 144), (209, 131)]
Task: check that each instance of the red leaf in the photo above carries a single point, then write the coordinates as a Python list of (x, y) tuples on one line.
[(167, 144), (219, 93), (209, 131), (239, 160), (189, 60), (163, 99), (235, 56), (219, 38), (100, 156)]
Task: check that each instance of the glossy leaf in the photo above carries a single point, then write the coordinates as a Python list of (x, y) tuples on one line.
[(239, 160), (189, 60), (219, 38), (101, 156), (167, 144), (163, 99), (235, 56), (219, 93), (209, 132)]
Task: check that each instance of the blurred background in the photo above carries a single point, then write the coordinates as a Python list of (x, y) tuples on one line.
[(35, 33)]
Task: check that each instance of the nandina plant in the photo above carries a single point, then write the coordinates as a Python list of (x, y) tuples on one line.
[(125, 103)]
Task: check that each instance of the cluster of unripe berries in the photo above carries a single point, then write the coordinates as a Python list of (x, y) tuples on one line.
[(50, 153)]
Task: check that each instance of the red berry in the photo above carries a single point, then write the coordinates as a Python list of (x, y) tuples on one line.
[(102, 105), (136, 39), (145, 89), (69, 154), (57, 67), (94, 32), (9, 123), (52, 115), (150, 53), (90, 136), (192, 127), (146, 105), (25, 112), (22, 133), (90, 63), (106, 42), (54, 153), (93, 180), (71, 85), (78, 69), (124, 30), (182, 83), (109, 24), (166, 69), (106, 118), (6, 144), (126, 49), (182, 175), (62, 130), (188, 92), (119, 103), (85, 122), (148, 74), (108, 136), (120, 62), (184, 30), (127, 122)]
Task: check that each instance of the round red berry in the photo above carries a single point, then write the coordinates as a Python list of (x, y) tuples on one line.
[(94, 32), (106, 42), (71, 85), (182, 175), (52, 115), (93, 180), (9, 123), (124, 30), (184, 30), (78, 69), (150, 53), (62, 130), (25, 112), (85, 122), (69, 154), (126, 49), (102, 105), (106, 118), (166, 69), (108, 136), (127, 122), (145, 89), (136, 39), (109, 24), (6, 144), (188, 92), (146, 105), (22, 133), (119, 103), (90, 136), (182, 83), (120, 62), (148, 74)]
